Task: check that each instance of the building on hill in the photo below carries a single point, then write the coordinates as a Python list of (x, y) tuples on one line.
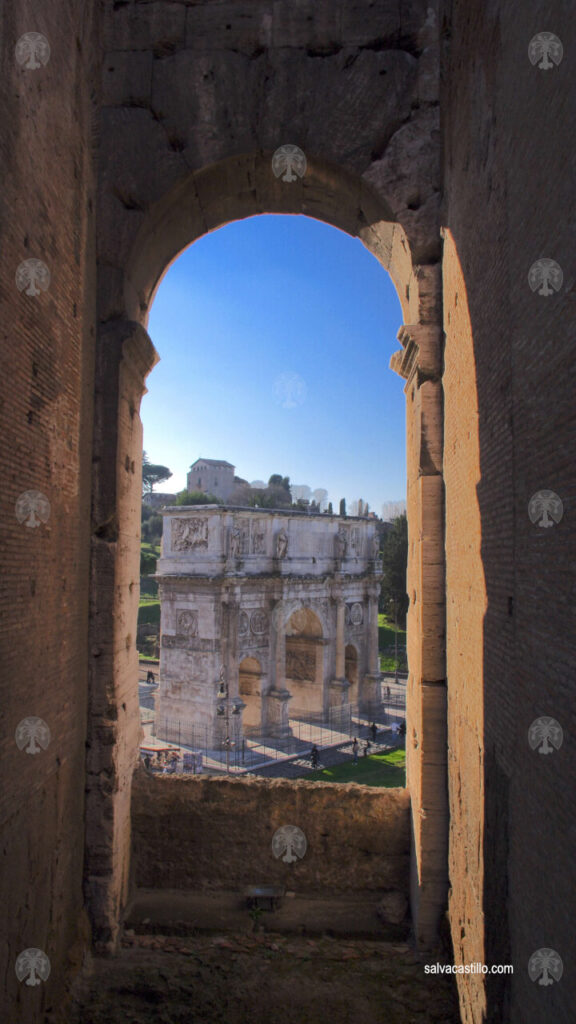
[(212, 476)]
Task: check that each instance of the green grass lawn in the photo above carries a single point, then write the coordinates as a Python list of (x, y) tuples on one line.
[(386, 634), (375, 770)]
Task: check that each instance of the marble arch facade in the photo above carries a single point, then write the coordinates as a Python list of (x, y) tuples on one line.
[(289, 589)]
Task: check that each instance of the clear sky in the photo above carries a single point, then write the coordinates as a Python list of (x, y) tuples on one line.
[(275, 334)]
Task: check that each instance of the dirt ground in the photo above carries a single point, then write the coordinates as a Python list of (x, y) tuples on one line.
[(262, 978)]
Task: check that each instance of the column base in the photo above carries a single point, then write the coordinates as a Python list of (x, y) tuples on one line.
[(370, 697), (276, 713), (338, 690)]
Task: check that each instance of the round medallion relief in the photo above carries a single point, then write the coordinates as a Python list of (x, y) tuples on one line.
[(356, 614), (259, 622)]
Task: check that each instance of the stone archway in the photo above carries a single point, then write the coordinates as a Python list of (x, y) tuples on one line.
[(249, 689), (144, 222), (303, 660)]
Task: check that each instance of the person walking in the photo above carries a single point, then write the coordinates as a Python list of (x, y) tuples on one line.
[(373, 732), (355, 750), (150, 680), (366, 750), (314, 756)]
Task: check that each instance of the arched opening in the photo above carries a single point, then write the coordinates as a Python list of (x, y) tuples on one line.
[(304, 662), (249, 688), (234, 189)]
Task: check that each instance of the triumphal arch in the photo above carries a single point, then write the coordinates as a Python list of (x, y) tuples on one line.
[(281, 605)]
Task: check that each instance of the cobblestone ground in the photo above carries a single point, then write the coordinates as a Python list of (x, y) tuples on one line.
[(262, 978)]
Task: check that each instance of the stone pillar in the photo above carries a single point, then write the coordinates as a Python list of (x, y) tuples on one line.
[(229, 650), (369, 696), (275, 702), (339, 686), (373, 652), (340, 645), (420, 363), (279, 653), (125, 355)]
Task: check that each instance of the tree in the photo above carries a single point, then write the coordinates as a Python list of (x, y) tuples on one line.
[(152, 524), (276, 480), (153, 474), (197, 498), (393, 596), (342, 506), (330, 509)]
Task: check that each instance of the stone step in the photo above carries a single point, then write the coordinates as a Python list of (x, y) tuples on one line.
[(182, 912)]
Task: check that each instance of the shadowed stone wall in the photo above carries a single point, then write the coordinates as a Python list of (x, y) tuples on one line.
[(47, 205), (214, 833), (509, 200)]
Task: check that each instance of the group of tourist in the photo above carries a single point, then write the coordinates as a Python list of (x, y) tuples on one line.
[(163, 761)]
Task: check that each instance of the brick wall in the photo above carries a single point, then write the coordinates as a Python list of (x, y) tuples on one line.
[(214, 833), (508, 202), (46, 373)]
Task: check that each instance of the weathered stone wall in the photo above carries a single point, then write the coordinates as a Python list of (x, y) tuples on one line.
[(214, 833), (197, 96), (47, 351), (509, 197)]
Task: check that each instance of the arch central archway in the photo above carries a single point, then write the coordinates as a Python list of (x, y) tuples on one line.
[(304, 663), (136, 248)]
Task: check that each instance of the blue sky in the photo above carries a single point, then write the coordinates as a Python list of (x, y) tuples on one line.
[(275, 334)]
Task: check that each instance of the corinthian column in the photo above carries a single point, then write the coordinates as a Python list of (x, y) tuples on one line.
[(340, 653)]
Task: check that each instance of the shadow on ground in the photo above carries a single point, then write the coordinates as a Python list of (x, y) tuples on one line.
[(262, 978)]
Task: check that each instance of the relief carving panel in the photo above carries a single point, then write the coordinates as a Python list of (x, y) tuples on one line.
[(189, 533), (300, 664)]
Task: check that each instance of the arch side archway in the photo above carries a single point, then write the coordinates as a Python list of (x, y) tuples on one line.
[(235, 188)]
